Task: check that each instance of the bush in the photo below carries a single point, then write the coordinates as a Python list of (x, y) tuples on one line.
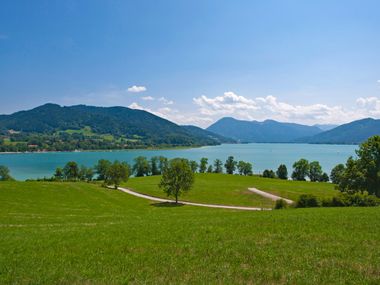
[(307, 201), (269, 173), (280, 204), (352, 200)]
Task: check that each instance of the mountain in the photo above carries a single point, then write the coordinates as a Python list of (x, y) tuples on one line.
[(266, 132), (351, 133), (326, 127), (199, 132), (118, 122)]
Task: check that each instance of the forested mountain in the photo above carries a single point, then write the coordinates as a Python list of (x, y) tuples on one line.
[(87, 127), (267, 131), (351, 133)]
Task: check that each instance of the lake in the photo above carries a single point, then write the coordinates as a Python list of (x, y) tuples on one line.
[(262, 156)]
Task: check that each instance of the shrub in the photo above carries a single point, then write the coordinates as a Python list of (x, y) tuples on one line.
[(352, 200), (269, 174), (307, 201), (280, 204)]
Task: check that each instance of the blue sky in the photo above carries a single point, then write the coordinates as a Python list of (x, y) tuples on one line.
[(195, 61)]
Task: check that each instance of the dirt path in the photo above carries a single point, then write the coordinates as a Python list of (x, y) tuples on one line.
[(125, 190), (269, 196)]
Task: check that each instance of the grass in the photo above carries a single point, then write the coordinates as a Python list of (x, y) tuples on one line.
[(75, 233), (232, 189)]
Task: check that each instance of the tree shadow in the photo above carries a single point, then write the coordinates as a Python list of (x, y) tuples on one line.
[(167, 205)]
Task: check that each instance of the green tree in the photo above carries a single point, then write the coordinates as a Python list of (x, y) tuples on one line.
[(282, 172), (230, 165), (241, 166), (141, 166), (353, 179), (315, 171), (368, 162), (154, 165), (71, 171), (218, 166), (177, 178), (193, 165), (58, 174), (163, 163), (300, 170), (244, 168), (337, 173), (101, 168), (203, 165), (5, 174), (209, 169), (118, 172), (89, 175), (324, 177), (269, 173)]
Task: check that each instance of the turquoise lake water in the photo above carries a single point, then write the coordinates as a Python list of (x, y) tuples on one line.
[(262, 156)]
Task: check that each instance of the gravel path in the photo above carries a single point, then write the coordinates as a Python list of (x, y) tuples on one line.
[(125, 190), (269, 196)]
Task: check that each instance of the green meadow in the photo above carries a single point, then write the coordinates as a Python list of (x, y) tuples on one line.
[(80, 233), (232, 189)]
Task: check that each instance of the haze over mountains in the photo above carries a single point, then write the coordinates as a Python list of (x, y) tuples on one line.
[(151, 130)]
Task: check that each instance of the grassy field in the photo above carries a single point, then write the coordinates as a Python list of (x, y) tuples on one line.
[(75, 233), (232, 189)]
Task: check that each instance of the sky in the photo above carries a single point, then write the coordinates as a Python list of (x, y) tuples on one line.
[(196, 61)]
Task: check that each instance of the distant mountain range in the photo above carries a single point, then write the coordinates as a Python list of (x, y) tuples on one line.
[(271, 131), (267, 131), (351, 133), (136, 125), (52, 127)]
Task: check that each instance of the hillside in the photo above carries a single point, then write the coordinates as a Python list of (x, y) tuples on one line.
[(80, 233), (351, 133), (87, 127), (201, 133), (265, 132)]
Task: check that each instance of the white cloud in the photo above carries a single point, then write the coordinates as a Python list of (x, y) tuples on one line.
[(136, 106), (136, 89), (378, 81), (261, 108), (166, 101), (147, 98)]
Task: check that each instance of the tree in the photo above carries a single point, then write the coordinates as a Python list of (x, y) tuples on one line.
[(324, 177), (369, 165), (209, 169), (282, 172), (300, 170), (315, 171), (193, 165), (177, 178), (353, 179), (71, 171), (269, 173), (163, 163), (218, 166), (363, 174), (5, 174), (101, 168), (337, 173), (244, 168), (230, 165), (240, 167), (141, 166), (203, 165), (154, 167), (117, 173), (58, 174)]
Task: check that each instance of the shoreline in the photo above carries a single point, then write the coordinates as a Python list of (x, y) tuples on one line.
[(156, 148)]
